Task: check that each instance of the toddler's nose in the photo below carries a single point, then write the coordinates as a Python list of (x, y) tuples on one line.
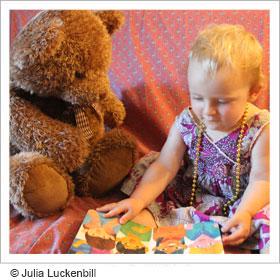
[(209, 109)]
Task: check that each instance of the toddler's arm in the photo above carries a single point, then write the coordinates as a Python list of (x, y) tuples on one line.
[(163, 170), (256, 195), (155, 179)]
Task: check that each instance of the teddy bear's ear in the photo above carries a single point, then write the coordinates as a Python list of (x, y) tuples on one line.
[(38, 41), (113, 20)]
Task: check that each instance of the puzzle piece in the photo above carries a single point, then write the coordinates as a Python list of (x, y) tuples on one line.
[(207, 228)]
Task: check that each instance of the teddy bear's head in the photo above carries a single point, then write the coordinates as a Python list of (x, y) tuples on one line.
[(65, 54)]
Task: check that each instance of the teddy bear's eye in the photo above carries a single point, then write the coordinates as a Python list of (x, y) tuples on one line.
[(79, 75)]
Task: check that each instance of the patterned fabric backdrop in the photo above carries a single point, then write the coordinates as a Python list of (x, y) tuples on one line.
[(148, 73)]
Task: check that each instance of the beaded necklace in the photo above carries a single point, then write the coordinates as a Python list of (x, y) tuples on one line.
[(201, 128)]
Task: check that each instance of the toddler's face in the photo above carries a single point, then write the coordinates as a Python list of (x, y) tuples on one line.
[(218, 101)]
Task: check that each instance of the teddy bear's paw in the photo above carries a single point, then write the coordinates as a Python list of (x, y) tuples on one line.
[(109, 163), (38, 187), (45, 190)]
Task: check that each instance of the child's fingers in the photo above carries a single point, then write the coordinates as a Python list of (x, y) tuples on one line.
[(106, 207), (114, 212), (234, 243), (228, 225), (234, 238), (126, 217)]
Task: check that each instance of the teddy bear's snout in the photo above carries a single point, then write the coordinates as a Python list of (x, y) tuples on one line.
[(95, 85)]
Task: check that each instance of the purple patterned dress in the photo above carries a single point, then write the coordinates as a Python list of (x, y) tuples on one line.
[(215, 179)]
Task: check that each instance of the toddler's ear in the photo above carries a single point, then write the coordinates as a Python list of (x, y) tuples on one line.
[(113, 20), (254, 93)]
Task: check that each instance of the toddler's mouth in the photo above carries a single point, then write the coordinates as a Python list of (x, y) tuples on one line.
[(210, 120)]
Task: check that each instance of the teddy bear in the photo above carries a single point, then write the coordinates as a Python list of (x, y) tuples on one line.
[(64, 117)]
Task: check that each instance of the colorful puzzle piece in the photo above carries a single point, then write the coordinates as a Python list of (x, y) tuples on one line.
[(208, 228)]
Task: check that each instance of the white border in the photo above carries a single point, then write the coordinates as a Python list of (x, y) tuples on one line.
[(273, 6)]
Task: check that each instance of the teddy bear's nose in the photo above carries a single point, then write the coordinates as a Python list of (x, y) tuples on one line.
[(102, 96)]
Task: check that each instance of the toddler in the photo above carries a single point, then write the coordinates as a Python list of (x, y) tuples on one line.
[(214, 164)]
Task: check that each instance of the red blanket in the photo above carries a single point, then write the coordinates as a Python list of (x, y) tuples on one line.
[(148, 74)]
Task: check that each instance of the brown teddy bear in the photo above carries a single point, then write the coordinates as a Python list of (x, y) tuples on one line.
[(60, 101)]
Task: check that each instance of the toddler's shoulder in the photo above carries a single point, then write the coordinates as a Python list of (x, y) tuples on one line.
[(184, 120), (186, 125), (256, 125), (185, 115), (259, 119)]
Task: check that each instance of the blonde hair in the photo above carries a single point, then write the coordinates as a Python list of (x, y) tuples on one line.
[(230, 47)]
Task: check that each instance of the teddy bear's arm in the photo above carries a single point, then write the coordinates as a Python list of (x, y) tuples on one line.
[(114, 111), (32, 130)]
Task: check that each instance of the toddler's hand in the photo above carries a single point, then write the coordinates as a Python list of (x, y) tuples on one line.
[(238, 228), (130, 206)]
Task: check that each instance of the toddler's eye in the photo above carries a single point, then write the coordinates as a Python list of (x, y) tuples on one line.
[(197, 98), (223, 101)]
